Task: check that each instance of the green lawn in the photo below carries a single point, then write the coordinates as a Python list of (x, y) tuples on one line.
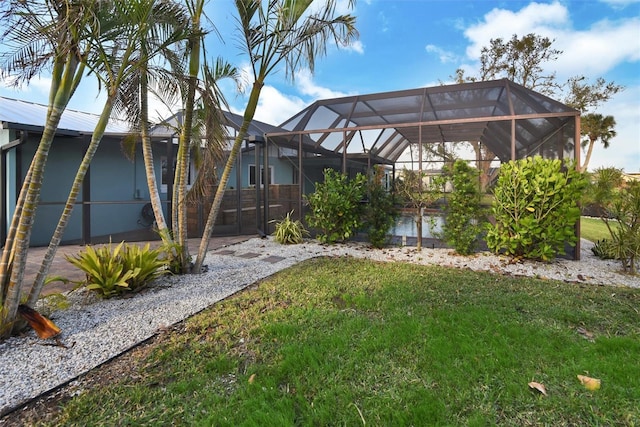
[(346, 342), (593, 229)]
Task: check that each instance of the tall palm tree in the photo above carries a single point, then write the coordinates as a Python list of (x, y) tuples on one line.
[(162, 41), (274, 32), (116, 57), (202, 101), (596, 127), (39, 35), (179, 203)]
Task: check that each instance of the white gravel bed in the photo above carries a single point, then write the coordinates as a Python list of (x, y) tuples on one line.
[(96, 330)]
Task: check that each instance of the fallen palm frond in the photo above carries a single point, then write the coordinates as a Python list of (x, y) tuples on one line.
[(44, 327)]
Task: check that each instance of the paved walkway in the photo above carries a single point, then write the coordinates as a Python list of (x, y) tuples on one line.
[(61, 267)]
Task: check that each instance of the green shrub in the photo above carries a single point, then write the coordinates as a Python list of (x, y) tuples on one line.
[(625, 209), (619, 205), (173, 254), (464, 218), (289, 231), (380, 213), (112, 271), (336, 206), (535, 208)]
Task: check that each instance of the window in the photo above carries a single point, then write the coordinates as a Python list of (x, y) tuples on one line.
[(287, 152), (167, 174), (252, 175)]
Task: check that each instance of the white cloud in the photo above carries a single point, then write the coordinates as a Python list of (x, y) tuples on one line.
[(246, 76), (619, 3), (590, 52), (538, 18), (342, 7), (275, 107), (41, 85), (37, 88), (355, 46), (443, 55), (306, 86), (599, 49), (384, 22)]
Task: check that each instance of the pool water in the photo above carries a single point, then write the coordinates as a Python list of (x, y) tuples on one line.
[(406, 226)]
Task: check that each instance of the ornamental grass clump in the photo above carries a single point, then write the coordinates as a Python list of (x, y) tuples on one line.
[(289, 231)]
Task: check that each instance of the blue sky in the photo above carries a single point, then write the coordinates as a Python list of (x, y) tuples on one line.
[(414, 43)]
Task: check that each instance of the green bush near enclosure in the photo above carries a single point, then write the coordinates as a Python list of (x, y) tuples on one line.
[(336, 208), (535, 208)]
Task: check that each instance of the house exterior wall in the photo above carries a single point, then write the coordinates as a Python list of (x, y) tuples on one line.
[(111, 205), (284, 171), (63, 161), (119, 190)]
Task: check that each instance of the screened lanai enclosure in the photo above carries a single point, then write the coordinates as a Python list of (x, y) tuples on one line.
[(400, 129), (497, 121)]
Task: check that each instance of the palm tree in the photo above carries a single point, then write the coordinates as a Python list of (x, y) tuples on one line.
[(162, 41), (39, 35), (596, 127), (201, 116), (115, 58), (195, 9), (165, 34), (279, 31), (206, 145), (210, 125)]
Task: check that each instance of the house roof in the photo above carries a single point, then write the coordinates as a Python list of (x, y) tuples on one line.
[(256, 130), (25, 115), (385, 124)]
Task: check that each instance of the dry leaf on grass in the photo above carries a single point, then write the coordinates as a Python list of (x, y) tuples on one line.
[(589, 383), (537, 386), (585, 333), (252, 378)]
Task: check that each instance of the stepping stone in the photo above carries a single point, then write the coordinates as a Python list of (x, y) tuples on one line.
[(273, 259), (225, 252), (249, 255)]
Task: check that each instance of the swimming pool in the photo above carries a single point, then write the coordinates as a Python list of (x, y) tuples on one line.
[(406, 226)]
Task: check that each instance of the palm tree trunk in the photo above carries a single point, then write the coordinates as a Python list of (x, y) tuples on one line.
[(180, 189), (63, 92), (69, 205), (588, 156), (147, 154), (6, 262), (182, 163), (217, 200), (23, 231)]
